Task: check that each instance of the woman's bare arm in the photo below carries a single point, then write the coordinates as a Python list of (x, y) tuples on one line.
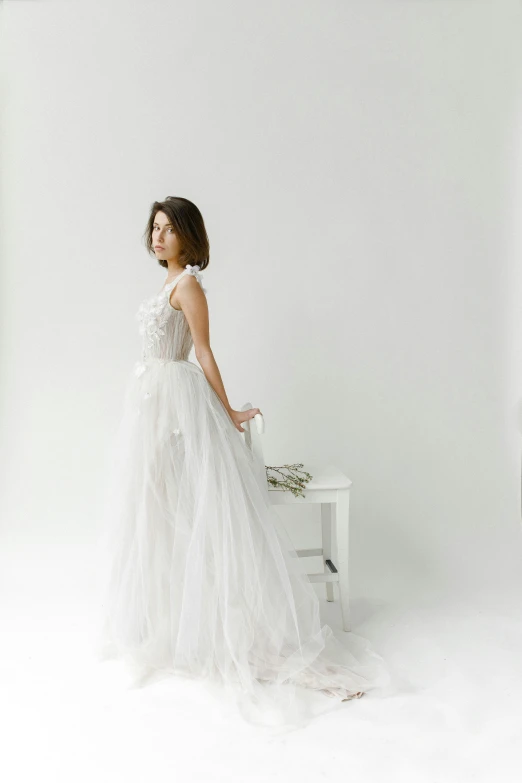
[(191, 299)]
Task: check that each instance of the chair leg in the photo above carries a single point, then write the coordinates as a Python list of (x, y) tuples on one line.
[(342, 512), (326, 532)]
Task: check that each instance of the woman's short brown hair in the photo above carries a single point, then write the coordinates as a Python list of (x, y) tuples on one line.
[(189, 226)]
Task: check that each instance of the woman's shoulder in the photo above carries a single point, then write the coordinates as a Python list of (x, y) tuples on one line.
[(192, 277)]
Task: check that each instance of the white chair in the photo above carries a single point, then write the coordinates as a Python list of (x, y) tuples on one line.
[(331, 490)]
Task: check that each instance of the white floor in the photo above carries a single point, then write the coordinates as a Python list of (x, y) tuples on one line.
[(67, 718)]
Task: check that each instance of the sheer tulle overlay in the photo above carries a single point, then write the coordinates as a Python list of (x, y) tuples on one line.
[(199, 577)]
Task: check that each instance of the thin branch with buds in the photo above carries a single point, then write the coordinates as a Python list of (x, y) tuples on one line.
[(291, 482)]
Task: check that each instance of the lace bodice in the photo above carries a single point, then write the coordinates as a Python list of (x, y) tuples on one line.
[(165, 331)]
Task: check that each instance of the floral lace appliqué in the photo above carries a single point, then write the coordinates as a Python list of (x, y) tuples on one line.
[(152, 317)]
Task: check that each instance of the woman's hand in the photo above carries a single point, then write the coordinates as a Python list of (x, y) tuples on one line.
[(240, 416)]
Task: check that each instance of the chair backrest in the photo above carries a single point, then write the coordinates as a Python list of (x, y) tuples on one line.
[(252, 436)]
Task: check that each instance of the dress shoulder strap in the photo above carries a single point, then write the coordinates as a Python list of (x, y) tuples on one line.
[(189, 270)]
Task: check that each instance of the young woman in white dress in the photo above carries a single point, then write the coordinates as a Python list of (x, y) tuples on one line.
[(201, 579)]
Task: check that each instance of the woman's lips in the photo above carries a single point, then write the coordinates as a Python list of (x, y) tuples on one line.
[(157, 247)]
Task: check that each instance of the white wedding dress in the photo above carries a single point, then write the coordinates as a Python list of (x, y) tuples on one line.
[(201, 580)]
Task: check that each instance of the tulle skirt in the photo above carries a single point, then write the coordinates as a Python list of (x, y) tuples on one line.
[(198, 576)]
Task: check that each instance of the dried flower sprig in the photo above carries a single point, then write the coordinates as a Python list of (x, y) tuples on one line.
[(291, 481)]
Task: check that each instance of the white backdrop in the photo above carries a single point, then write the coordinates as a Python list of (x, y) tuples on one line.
[(355, 167), (358, 168)]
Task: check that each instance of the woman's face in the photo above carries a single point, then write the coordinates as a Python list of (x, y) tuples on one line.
[(164, 240)]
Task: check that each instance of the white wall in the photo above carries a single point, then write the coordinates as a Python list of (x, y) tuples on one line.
[(358, 167)]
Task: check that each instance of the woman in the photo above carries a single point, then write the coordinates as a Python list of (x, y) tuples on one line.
[(201, 580)]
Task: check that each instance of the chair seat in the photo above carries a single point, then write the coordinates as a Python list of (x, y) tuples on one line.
[(325, 479), (323, 488)]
